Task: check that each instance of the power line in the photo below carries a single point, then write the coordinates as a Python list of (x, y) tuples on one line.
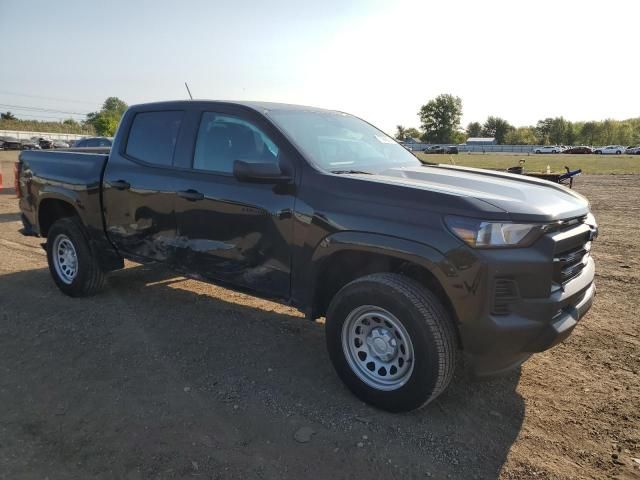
[(49, 98), (36, 109)]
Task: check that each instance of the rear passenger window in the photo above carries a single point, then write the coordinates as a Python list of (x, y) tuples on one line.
[(153, 136), (223, 139)]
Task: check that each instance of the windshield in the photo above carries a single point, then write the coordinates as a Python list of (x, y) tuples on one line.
[(340, 143)]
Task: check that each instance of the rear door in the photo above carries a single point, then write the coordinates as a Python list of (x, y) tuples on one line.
[(231, 231), (139, 187)]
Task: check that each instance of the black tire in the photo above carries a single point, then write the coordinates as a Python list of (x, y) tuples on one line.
[(427, 323), (618, 152), (89, 277)]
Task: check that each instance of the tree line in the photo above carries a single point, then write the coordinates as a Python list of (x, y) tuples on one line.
[(10, 122), (440, 123), (103, 122)]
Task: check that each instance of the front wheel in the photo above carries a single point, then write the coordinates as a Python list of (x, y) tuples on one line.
[(72, 264), (391, 341)]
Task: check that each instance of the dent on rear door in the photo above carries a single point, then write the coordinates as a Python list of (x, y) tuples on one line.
[(141, 220)]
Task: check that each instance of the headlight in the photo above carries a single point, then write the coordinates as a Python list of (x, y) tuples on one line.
[(483, 234)]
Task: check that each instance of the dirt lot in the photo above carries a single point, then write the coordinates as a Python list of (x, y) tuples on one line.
[(162, 377)]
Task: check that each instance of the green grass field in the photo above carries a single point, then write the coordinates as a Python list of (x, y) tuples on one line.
[(590, 164)]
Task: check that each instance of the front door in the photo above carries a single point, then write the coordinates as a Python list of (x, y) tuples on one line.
[(230, 231)]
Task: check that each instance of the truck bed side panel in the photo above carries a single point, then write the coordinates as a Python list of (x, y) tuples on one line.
[(71, 177)]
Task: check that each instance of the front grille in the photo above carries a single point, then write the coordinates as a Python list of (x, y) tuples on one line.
[(570, 264), (505, 292), (571, 254)]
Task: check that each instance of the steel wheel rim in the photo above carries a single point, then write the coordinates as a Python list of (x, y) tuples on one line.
[(65, 259), (377, 347)]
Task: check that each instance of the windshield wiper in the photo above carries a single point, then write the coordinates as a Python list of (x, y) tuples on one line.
[(341, 172)]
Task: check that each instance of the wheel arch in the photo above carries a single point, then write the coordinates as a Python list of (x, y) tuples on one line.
[(54, 205), (345, 256), (52, 208)]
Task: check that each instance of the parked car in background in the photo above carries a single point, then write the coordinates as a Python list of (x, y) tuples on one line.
[(633, 150), (94, 142), (549, 149), (11, 143), (610, 150), (441, 149), (60, 144), (30, 145), (578, 149), (44, 143)]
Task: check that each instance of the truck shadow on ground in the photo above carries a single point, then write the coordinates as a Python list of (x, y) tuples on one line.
[(9, 217), (165, 377)]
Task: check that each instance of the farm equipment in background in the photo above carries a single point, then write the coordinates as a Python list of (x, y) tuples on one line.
[(565, 178)]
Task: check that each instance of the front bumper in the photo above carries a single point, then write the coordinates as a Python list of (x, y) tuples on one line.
[(563, 324), (540, 313), (498, 343)]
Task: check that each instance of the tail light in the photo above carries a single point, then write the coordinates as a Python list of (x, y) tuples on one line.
[(16, 179)]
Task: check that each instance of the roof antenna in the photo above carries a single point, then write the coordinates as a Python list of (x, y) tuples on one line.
[(188, 91)]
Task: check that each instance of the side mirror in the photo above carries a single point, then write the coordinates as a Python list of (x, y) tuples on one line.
[(259, 172)]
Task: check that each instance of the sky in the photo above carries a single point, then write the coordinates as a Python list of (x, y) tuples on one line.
[(380, 60)]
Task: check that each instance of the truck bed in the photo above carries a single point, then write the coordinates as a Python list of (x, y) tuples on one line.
[(48, 178), (69, 167)]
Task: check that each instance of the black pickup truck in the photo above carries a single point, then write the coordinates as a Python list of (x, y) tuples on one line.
[(409, 262)]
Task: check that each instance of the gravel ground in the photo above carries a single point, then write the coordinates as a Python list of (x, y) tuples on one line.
[(164, 377)]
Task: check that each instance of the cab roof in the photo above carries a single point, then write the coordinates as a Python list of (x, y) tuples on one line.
[(254, 105)]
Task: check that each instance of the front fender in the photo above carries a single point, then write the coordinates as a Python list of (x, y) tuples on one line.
[(396, 247), (412, 252)]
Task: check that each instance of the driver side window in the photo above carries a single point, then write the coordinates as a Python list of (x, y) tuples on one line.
[(223, 139)]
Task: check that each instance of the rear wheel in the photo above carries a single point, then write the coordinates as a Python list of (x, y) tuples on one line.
[(618, 152), (72, 264), (391, 341)]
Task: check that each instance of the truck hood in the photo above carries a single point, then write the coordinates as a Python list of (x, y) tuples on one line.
[(522, 198)]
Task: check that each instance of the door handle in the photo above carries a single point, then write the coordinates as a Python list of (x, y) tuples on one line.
[(191, 195), (120, 185)]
